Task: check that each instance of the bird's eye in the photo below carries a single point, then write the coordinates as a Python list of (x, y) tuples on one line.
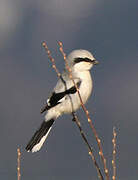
[(77, 60), (88, 60)]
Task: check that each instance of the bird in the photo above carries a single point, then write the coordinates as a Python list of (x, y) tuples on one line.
[(64, 98)]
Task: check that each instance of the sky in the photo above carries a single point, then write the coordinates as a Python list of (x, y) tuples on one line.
[(109, 30)]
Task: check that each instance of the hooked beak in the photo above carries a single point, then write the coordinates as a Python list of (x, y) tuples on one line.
[(95, 62)]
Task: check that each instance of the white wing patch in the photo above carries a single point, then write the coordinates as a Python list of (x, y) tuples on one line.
[(62, 99), (48, 102)]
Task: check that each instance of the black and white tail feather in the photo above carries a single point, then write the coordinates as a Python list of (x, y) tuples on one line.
[(40, 136), (64, 98)]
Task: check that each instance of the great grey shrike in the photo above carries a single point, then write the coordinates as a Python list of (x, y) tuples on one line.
[(64, 98)]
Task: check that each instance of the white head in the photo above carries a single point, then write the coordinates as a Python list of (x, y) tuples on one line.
[(81, 60)]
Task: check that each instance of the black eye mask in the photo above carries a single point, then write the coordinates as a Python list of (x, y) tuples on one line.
[(77, 60)]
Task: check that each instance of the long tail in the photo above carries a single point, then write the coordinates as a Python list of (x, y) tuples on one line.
[(40, 136)]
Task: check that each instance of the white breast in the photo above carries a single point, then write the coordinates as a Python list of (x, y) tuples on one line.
[(86, 85)]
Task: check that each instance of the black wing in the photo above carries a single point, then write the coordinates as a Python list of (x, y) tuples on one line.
[(56, 97)]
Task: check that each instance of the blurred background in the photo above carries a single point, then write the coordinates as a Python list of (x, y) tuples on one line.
[(108, 29)]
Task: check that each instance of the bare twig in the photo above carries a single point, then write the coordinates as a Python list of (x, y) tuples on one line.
[(18, 164), (74, 116), (51, 58), (87, 113), (114, 154), (89, 147), (53, 62)]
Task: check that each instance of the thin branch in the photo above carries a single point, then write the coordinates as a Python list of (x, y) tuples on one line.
[(18, 164), (74, 116), (53, 62), (87, 113), (51, 58), (114, 154)]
